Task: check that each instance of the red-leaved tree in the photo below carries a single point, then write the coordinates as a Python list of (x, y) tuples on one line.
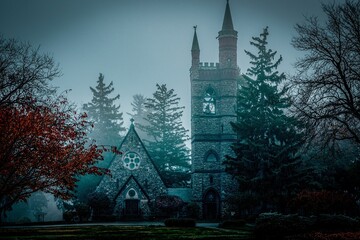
[(43, 147)]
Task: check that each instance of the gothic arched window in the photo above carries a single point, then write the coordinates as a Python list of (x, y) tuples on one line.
[(211, 156), (209, 103)]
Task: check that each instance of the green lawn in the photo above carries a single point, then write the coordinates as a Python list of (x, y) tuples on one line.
[(122, 232)]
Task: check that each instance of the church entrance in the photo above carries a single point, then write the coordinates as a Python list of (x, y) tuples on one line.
[(211, 205), (132, 208)]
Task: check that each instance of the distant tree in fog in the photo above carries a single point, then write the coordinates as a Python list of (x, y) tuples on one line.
[(105, 114), (139, 113)]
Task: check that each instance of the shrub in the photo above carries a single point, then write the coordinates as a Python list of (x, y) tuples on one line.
[(232, 224), (336, 223), (69, 216), (180, 222), (104, 218), (100, 203), (324, 202), (83, 211), (277, 225), (169, 202), (335, 236), (23, 220), (192, 210), (168, 205)]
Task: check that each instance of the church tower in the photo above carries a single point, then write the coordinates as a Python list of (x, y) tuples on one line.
[(213, 104)]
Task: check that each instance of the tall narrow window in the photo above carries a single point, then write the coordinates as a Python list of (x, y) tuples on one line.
[(209, 101)]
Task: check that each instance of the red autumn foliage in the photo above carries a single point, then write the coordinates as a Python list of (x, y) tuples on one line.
[(43, 148)]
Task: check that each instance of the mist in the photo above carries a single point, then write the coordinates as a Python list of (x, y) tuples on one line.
[(137, 44)]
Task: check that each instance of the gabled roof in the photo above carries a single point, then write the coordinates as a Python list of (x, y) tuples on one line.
[(137, 183), (132, 129)]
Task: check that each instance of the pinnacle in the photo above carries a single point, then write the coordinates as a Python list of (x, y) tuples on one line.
[(227, 23), (195, 44)]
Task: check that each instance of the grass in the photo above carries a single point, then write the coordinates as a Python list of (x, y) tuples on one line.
[(123, 232)]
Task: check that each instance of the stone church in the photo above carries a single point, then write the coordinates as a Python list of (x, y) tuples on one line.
[(136, 183)]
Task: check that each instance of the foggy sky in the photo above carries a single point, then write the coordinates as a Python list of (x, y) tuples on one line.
[(138, 43)]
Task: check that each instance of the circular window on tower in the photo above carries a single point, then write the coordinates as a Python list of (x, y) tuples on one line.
[(131, 160)]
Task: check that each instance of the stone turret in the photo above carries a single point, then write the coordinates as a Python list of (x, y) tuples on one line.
[(227, 42)]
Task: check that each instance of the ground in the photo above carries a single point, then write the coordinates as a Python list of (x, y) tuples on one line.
[(124, 231)]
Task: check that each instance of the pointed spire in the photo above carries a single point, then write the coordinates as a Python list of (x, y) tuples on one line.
[(195, 57), (195, 44), (227, 42), (227, 23)]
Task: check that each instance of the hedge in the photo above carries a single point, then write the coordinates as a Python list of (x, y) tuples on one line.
[(180, 222)]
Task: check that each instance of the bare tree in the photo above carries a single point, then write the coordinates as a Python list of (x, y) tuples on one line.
[(24, 72), (327, 86)]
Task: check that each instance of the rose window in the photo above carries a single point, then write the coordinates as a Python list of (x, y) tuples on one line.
[(131, 160)]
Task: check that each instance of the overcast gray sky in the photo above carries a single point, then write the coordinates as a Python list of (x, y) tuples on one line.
[(138, 43)]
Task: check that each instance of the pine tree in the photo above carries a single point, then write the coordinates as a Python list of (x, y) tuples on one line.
[(139, 112), (108, 126), (138, 106), (108, 121), (266, 163), (167, 135)]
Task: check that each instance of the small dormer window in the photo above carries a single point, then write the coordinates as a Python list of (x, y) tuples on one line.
[(209, 101)]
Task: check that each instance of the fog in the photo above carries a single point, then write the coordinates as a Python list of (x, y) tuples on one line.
[(138, 43)]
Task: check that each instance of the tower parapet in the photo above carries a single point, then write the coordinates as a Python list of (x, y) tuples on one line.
[(208, 65)]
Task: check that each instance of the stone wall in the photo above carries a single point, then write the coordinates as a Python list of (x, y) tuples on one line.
[(144, 179)]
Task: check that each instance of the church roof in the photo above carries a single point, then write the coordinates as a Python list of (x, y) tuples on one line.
[(137, 183), (227, 23), (184, 193), (132, 129)]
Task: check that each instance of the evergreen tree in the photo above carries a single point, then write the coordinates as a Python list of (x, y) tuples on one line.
[(265, 164), (138, 106), (108, 121), (139, 113), (108, 125), (167, 135)]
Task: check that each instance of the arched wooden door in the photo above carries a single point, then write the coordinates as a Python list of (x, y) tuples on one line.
[(132, 207), (211, 205)]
